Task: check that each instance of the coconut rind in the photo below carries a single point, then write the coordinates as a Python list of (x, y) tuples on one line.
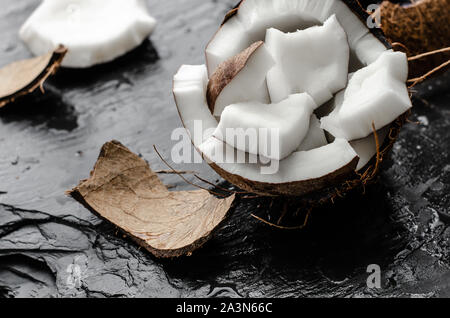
[(122, 161), (54, 62), (226, 72), (298, 188)]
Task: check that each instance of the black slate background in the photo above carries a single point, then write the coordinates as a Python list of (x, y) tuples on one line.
[(50, 246)]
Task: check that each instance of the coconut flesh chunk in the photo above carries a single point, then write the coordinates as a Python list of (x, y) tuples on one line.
[(302, 171), (323, 160), (314, 60), (315, 138), (94, 31), (300, 166), (189, 88), (240, 79), (254, 17), (375, 94), (366, 148), (273, 131)]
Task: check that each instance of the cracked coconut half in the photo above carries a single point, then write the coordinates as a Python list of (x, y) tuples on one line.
[(332, 88), (94, 31)]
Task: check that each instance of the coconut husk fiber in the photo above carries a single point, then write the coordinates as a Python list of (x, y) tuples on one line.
[(419, 27)]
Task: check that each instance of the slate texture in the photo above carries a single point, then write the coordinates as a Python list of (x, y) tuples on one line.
[(50, 246)]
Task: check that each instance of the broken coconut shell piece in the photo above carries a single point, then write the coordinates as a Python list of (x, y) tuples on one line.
[(124, 190), (24, 77), (242, 78)]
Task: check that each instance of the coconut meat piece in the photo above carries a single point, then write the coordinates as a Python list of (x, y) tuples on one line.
[(240, 79), (375, 94), (314, 61), (94, 31), (252, 19), (270, 130), (189, 88), (299, 166), (315, 138), (366, 148)]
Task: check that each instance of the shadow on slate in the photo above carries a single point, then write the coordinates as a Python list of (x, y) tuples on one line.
[(18, 270), (48, 109), (338, 243), (134, 62)]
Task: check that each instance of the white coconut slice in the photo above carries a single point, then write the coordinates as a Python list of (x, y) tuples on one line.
[(189, 89), (270, 130), (301, 173), (249, 22), (94, 31), (240, 79), (366, 148), (314, 60), (316, 136), (375, 94)]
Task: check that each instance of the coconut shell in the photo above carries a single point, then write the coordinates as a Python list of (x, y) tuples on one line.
[(421, 27), (124, 190), (226, 72), (336, 184), (298, 188), (24, 77)]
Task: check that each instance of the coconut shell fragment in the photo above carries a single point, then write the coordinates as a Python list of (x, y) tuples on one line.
[(422, 26), (227, 71), (124, 190), (24, 77)]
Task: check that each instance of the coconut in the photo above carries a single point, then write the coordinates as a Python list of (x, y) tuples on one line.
[(288, 118), (299, 63), (24, 77), (374, 94), (241, 78), (314, 166), (94, 31), (420, 26)]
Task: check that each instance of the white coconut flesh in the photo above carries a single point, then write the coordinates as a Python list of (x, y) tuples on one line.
[(254, 17), (189, 88), (366, 148), (189, 91), (375, 94), (94, 31), (314, 60), (249, 84), (276, 130), (323, 35), (315, 138)]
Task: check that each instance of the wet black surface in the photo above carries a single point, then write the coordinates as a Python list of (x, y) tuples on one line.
[(51, 246)]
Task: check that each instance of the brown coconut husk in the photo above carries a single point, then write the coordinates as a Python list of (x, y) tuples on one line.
[(24, 77), (420, 27), (125, 191)]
